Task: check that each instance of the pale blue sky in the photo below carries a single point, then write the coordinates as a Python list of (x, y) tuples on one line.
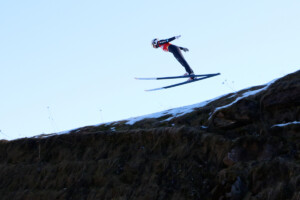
[(79, 58)]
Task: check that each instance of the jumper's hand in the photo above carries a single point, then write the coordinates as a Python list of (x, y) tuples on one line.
[(178, 36), (185, 49)]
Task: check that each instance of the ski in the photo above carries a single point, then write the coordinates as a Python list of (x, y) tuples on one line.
[(175, 77), (183, 83)]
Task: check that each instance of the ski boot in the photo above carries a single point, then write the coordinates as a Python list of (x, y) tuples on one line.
[(190, 78)]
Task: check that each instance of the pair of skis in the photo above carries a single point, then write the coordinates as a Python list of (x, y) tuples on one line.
[(196, 78)]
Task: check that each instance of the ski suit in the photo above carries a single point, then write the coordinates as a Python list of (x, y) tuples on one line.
[(175, 50)]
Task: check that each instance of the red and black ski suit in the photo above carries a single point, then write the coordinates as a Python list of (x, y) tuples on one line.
[(175, 50)]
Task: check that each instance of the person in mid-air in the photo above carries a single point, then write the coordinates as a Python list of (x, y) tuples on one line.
[(168, 47)]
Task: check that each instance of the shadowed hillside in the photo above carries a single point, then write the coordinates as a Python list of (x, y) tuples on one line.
[(243, 145)]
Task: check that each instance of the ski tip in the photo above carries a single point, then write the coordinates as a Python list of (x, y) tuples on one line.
[(146, 78), (150, 90)]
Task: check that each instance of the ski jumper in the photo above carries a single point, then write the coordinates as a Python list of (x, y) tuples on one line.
[(175, 50)]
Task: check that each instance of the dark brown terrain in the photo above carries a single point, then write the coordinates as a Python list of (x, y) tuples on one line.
[(244, 145)]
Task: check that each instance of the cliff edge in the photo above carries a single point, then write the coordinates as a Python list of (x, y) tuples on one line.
[(243, 145)]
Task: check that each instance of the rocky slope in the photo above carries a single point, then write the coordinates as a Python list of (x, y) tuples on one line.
[(244, 145)]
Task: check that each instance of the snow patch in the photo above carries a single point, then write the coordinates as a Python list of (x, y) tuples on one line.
[(286, 124), (176, 112), (245, 95), (46, 135)]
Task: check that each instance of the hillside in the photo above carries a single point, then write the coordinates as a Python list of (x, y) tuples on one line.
[(243, 145)]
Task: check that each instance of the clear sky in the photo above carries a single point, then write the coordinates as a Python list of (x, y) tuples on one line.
[(68, 63)]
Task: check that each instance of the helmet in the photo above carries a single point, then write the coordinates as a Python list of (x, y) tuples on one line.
[(154, 42)]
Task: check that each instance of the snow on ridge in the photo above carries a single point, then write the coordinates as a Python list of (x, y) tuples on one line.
[(175, 112), (46, 135), (285, 124), (244, 95)]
